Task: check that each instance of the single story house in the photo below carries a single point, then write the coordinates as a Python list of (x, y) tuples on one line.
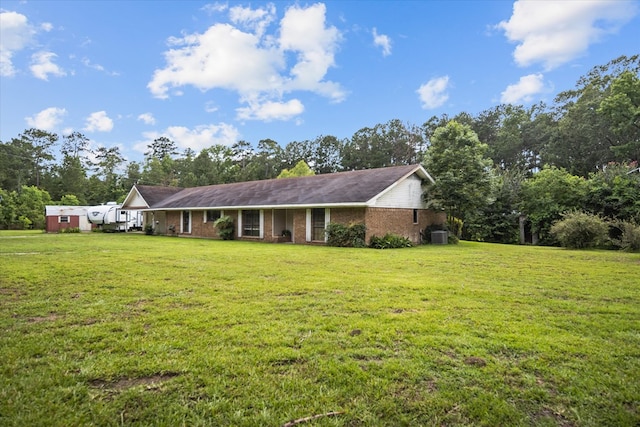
[(58, 218), (386, 200)]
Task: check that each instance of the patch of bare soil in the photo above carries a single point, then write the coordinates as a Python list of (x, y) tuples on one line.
[(49, 318), (150, 382), (475, 361)]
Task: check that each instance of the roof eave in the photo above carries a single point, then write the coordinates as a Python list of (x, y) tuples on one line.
[(253, 207)]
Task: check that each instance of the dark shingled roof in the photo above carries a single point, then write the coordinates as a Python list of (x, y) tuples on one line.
[(344, 188), (154, 194)]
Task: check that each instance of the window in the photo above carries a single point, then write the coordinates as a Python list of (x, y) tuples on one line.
[(317, 224), (251, 223), (415, 216), (64, 219), (212, 215), (186, 221)]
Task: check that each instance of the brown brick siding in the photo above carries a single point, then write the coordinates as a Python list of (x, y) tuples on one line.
[(347, 215), (380, 221)]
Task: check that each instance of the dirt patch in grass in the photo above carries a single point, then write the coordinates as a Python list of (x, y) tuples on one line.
[(150, 382), (51, 317), (12, 293), (475, 361), (557, 417)]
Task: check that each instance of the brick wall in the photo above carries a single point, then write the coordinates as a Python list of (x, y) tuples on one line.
[(380, 221)]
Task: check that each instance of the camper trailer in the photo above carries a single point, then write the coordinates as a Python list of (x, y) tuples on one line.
[(110, 217)]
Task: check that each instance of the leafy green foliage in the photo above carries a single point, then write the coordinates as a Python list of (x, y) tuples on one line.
[(300, 169), (225, 227), (389, 241), (24, 209), (580, 230), (456, 160), (351, 235), (69, 230), (547, 195), (498, 222), (629, 238), (614, 192)]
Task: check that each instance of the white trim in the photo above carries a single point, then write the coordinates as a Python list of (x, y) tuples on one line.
[(308, 226), (239, 223), (257, 207), (261, 234), (327, 220)]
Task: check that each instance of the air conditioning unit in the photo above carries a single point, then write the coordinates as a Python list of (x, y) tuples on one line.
[(440, 237)]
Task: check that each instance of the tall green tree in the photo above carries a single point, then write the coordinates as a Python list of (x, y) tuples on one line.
[(40, 144), (622, 108), (389, 144), (16, 164), (457, 161), (614, 192), (587, 135), (300, 169), (547, 195), (30, 204), (498, 220), (161, 148), (326, 154), (107, 167)]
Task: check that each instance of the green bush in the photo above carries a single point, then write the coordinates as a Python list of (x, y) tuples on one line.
[(352, 235), (578, 230), (224, 224), (629, 236), (70, 230), (389, 241), (148, 230)]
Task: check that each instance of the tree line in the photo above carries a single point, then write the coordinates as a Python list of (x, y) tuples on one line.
[(489, 166)]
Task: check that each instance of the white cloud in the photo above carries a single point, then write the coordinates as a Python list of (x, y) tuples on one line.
[(46, 26), (42, 65), (382, 41), (434, 93), (271, 110), (524, 90), (98, 122), (256, 20), (87, 63), (210, 107), (244, 59), (215, 7), (200, 137), (47, 119), (147, 118), (553, 33), (15, 35)]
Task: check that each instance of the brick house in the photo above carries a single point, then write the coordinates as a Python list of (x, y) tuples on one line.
[(386, 200)]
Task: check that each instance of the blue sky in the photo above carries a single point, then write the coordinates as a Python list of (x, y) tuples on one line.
[(201, 73)]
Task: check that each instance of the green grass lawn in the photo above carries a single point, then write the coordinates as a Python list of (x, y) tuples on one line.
[(128, 329)]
